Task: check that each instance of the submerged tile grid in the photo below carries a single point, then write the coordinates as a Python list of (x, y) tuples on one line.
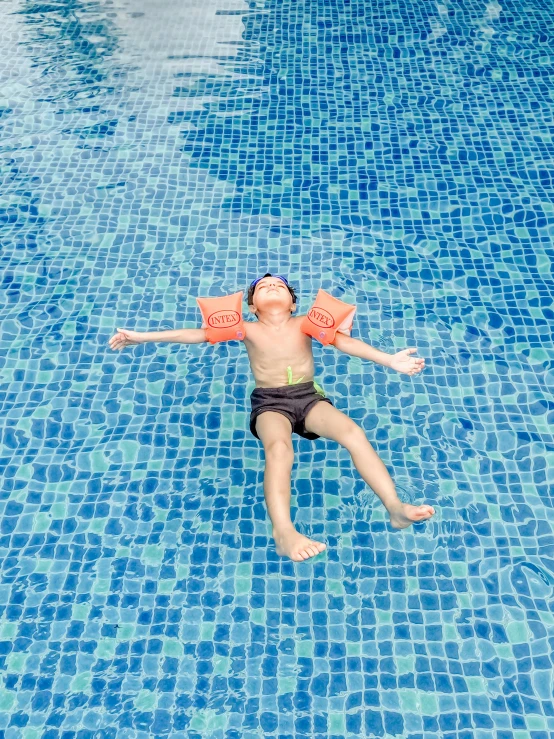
[(398, 156)]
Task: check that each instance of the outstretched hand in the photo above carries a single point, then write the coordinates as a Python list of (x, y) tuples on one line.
[(124, 338), (403, 362)]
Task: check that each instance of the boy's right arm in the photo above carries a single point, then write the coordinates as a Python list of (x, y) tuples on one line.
[(178, 335), (124, 337)]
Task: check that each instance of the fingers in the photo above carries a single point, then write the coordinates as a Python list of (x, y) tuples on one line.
[(117, 341)]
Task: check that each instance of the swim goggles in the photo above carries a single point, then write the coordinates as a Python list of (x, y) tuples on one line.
[(278, 277)]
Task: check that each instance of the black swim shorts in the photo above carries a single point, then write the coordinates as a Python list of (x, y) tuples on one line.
[(292, 401)]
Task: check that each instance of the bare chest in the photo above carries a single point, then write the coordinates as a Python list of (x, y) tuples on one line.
[(275, 345)]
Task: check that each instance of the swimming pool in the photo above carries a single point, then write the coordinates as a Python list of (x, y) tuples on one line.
[(401, 157)]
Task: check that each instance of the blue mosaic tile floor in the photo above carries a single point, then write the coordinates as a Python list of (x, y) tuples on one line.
[(398, 155)]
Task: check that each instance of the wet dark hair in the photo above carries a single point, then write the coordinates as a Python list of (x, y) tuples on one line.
[(251, 291)]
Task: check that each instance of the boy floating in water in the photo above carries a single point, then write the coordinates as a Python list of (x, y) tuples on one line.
[(282, 406)]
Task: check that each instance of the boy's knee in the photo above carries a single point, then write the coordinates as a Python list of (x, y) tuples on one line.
[(279, 449), (354, 436)]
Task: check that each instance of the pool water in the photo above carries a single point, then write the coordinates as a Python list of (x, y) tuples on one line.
[(399, 155)]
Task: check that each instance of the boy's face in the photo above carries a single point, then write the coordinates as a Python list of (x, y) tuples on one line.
[(271, 292)]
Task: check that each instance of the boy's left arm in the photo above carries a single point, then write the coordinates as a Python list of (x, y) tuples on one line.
[(402, 361)]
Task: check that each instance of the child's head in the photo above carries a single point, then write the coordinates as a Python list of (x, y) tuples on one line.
[(272, 288)]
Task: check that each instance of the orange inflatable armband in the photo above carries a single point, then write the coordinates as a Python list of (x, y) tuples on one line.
[(222, 318), (327, 316)]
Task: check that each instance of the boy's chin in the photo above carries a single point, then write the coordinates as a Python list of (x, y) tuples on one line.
[(274, 304)]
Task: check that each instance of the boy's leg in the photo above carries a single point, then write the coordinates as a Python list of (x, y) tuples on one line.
[(275, 431), (327, 421)]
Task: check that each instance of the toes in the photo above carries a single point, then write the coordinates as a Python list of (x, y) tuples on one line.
[(426, 511), (317, 547), (310, 550)]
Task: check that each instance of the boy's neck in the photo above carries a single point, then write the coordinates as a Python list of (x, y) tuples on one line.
[(275, 319)]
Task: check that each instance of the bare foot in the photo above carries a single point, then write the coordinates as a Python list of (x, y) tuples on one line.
[(408, 514), (289, 543)]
